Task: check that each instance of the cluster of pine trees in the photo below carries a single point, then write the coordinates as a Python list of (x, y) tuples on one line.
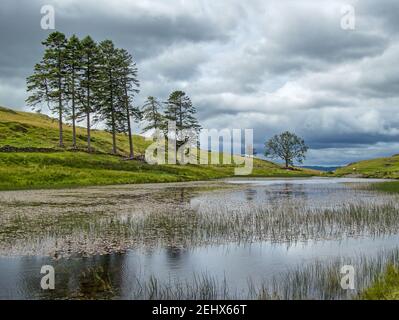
[(81, 80), (178, 109)]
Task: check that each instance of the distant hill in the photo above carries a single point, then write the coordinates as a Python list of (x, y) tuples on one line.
[(322, 168), (375, 168), (30, 158)]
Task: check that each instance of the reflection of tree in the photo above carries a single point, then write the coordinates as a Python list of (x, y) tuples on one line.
[(175, 195), (101, 278), (175, 255), (250, 194), (97, 277), (27, 278), (182, 194), (287, 192)]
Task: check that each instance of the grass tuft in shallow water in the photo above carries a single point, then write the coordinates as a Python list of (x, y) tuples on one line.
[(388, 186), (386, 287), (98, 232), (317, 280)]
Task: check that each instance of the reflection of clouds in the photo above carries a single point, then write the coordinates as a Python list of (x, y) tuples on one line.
[(290, 194), (235, 263)]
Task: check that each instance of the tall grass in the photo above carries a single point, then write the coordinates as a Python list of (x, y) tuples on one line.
[(319, 280), (99, 232), (256, 223), (388, 186)]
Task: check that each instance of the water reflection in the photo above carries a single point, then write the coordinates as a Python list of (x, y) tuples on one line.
[(118, 275), (312, 193), (250, 194), (122, 275)]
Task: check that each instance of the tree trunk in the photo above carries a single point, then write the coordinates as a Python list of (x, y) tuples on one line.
[(286, 163), (73, 128), (88, 132), (178, 132), (88, 106), (129, 129), (112, 115), (113, 134), (73, 111), (154, 116), (113, 128), (130, 135), (60, 100), (61, 142)]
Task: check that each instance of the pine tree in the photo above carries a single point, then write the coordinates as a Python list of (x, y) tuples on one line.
[(38, 84), (128, 82), (48, 83), (181, 110), (89, 83), (151, 114), (73, 67), (111, 108), (80, 79)]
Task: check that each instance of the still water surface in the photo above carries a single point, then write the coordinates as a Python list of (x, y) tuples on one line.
[(236, 263)]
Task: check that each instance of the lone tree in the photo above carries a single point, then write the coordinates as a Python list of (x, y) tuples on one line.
[(286, 146)]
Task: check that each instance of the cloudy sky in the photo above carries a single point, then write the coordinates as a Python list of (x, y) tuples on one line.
[(270, 65)]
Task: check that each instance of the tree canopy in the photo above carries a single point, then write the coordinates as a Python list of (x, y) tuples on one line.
[(286, 146), (81, 80)]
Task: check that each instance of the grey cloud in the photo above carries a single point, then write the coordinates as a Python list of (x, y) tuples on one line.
[(270, 66), (176, 63), (384, 12)]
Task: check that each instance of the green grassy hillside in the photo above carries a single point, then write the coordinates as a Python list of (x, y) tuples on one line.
[(26, 129), (375, 168), (67, 168)]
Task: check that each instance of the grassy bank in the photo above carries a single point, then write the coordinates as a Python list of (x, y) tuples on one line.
[(375, 168), (62, 167), (70, 169), (386, 287)]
